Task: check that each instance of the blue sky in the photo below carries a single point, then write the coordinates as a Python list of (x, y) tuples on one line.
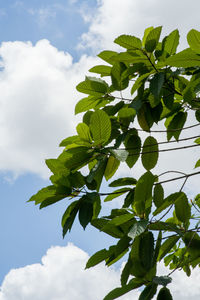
[(46, 49)]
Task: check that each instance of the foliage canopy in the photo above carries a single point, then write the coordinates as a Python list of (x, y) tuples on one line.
[(163, 88)]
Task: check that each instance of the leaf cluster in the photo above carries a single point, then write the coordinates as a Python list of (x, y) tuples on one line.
[(163, 86)]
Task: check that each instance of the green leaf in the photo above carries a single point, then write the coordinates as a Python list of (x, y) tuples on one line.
[(111, 167), (97, 172), (97, 258), (184, 59), (197, 141), (172, 42), (121, 219), (84, 132), (120, 154), (93, 86), (176, 125), (171, 199), (152, 39), (69, 216), (140, 80), (76, 158), (156, 84), (167, 246), (197, 115), (146, 32), (150, 153), (85, 213), (118, 292), (57, 167), (90, 102), (146, 250), (101, 69), (137, 229), (192, 242), (162, 280), (143, 192), (145, 118), (133, 146), (157, 247), (126, 272), (149, 291), (126, 115), (107, 56), (128, 42), (116, 194), (100, 126), (118, 82), (197, 164), (47, 193), (164, 294), (193, 38), (158, 195), (183, 209), (123, 181)]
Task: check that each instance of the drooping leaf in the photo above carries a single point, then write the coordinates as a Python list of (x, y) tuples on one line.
[(128, 42), (167, 246), (149, 291), (164, 294), (118, 82), (111, 167), (100, 126), (176, 125), (85, 211), (171, 199), (143, 192), (182, 209), (158, 195), (69, 216), (150, 153), (197, 115), (156, 85), (146, 250), (133, 146)]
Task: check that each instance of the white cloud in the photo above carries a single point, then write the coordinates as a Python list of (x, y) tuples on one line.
[(38, 96), (132, 17), (61, 276)]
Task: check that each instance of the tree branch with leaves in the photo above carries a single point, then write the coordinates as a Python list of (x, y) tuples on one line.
[(163, 86)]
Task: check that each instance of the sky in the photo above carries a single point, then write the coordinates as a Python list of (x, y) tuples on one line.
[(46, 49)]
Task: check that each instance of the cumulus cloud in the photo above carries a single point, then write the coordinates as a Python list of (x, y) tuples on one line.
[(38, 96), (61, 276), (132, 17)]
